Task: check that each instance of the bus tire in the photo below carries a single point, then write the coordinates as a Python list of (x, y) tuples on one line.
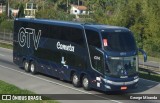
[(85, 83), (75, 80), (26, 66), (32, 68)]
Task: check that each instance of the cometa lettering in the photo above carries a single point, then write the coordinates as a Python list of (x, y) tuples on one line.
[(65, 47)]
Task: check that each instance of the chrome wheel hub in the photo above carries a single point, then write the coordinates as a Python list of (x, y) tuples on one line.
[(85, 82), (32, 68), (26, 66), (75, 79)]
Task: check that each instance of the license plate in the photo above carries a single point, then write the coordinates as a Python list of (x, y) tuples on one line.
[(124, 88)]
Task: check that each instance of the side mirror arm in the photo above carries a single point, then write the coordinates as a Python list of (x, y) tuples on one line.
[(144, 54)]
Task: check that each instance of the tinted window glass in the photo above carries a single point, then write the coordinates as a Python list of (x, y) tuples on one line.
[(69, 34), (75, 35), (75, 60), (93, 38), (48, 54), (56, 56), (118, 41)]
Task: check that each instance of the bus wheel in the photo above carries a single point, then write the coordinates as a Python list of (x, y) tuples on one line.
[(32, 68), (26, 66), (86, 83), (75, 80)]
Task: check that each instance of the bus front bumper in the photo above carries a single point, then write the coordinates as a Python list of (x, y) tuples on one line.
[(116, 86)]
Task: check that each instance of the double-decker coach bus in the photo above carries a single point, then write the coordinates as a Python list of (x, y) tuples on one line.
[(90, 55)]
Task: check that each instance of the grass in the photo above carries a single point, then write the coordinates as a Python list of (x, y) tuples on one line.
[(6, 88), (145, 75), (4, 45)]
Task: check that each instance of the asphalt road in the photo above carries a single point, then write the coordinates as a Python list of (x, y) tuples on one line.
[(42, 84)]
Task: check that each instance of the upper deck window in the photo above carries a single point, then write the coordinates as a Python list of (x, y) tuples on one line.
[(93, 38)]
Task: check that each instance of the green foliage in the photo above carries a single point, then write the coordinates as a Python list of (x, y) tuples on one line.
[(3, 1), (4, 45), (2, 17), (6, 88), (54, 14), (21, 11), (7, 24), (142, 17)]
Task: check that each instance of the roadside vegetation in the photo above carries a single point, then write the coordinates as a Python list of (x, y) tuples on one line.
[(6, 88), (140, 16), (4, 45), (145, 75)]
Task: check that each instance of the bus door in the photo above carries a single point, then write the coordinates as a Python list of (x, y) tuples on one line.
[(96, 56)]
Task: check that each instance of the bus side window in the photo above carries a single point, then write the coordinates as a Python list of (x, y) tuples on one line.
[(93, 38), (77, 37)]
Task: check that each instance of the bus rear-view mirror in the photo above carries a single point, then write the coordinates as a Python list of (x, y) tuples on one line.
[(144, 54)]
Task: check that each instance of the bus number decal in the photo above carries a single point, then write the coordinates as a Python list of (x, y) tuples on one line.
[(97, 58), (24, 37)]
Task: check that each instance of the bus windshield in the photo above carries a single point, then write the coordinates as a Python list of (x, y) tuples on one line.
[(118, 41), (121, 66)]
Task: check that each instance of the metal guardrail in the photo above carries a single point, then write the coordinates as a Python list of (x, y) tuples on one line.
[(6, 37), (150, 68)]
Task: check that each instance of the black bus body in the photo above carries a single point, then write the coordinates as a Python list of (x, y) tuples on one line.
[(93, 56)]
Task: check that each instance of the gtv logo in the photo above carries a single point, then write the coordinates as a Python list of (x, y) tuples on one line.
[(24, 37)]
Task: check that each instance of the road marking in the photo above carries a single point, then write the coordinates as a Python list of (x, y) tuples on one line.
[(61, 84)]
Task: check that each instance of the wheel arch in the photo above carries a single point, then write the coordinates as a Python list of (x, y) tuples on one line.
[(81, 76), (71, 74)]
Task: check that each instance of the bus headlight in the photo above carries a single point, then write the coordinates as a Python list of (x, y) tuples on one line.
[(136, 80)]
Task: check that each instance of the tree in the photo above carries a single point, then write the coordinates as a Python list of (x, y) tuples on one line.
[(3, 1), (140, 16), (21, 11)]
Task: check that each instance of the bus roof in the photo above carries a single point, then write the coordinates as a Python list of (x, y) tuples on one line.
[(86, 25), (102, 27)]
